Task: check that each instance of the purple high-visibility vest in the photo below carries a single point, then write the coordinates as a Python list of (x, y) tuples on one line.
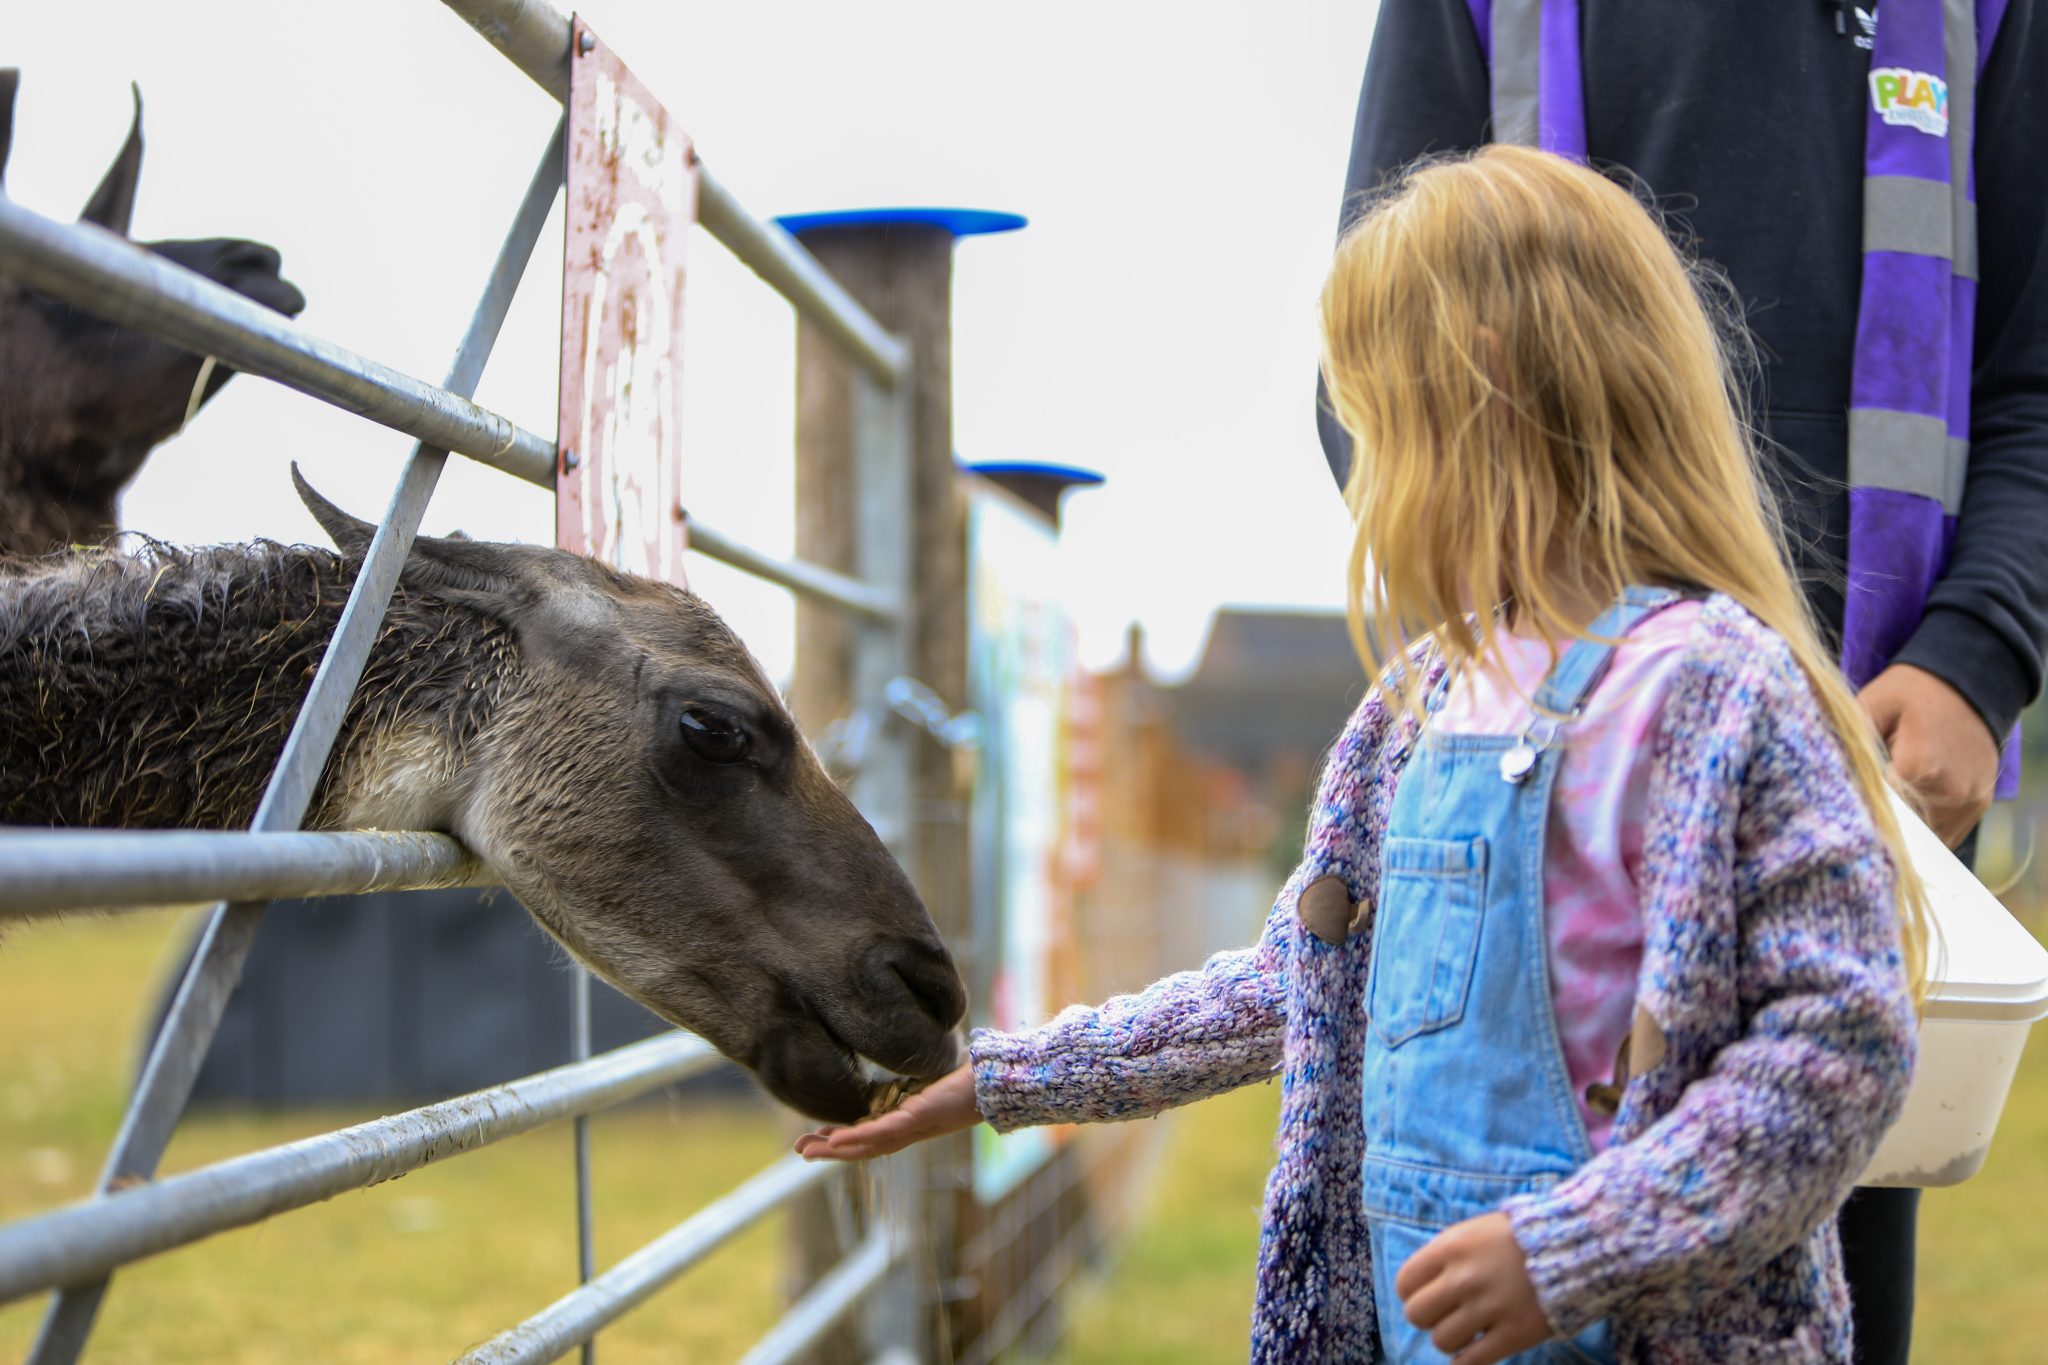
[(1909, 407)]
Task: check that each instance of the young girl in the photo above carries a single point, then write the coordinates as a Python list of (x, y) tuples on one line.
[(1591, 993)]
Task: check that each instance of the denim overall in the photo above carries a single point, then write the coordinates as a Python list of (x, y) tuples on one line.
[(1466, 1096)]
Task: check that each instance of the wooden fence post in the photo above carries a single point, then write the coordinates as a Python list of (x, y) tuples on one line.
[(899, 265)]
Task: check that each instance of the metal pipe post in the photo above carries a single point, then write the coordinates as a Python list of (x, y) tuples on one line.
[(855, 508), (885, 788), (908, 531), (586, 1230)]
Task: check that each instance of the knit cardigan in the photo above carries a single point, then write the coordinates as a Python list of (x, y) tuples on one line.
[(1771, 963)]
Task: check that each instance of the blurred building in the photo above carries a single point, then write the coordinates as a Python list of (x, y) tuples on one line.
[(1224, 763)]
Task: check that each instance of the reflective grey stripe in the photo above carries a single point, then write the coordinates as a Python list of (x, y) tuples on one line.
[(1959, 50), (1903, 450), (1899, 450), (1906, 213), (1902, 216), (1920, 218), (1517, 62)]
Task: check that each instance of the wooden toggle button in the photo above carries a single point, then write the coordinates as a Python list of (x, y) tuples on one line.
[(1327, 910)]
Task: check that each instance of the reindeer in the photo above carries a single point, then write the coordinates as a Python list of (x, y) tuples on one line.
[(83, 401), (603, 743)]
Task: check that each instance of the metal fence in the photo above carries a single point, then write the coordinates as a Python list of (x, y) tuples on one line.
[(74, 1251)]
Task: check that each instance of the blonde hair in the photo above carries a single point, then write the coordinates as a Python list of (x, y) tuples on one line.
[(1543, 413)]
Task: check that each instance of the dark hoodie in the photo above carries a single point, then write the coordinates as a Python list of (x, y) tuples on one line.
[(1745, 120)]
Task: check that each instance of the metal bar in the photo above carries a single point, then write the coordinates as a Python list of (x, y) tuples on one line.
[(112, 278), (883, 556), (72, 1245), (1029, 1201), (1036, 1294), (579, 1047), (509, 268), (46, 871), (188, 1028), (799, 575), (829, 1300), (884, 788), (794, 273), (535, 36), (576, 1317), (1022, 1307), (892, 1313), (1007, 1325)]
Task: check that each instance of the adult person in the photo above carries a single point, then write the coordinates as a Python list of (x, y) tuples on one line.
[(1756, 124)]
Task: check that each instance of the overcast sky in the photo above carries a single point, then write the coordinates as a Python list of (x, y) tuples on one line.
[(1180, 164)]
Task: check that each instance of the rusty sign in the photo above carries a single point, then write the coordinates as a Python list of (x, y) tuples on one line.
[(632, 196)]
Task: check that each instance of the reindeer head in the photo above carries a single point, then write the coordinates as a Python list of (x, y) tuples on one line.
[(82, 401), (643, 790)]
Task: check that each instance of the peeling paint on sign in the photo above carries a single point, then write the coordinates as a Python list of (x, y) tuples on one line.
[(632, 197)]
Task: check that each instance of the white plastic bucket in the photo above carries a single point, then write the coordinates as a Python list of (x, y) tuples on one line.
[(1987, 984)]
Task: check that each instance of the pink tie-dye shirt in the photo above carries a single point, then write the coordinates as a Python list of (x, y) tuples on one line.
[(1593, 851)]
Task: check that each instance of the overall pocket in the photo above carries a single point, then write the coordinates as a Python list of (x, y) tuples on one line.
[(1425, 935)]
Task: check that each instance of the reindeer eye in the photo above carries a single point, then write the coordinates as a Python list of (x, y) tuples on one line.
[(713, 737)]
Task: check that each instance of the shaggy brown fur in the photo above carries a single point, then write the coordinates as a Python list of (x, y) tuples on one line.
[(155, 689), (552, 713)]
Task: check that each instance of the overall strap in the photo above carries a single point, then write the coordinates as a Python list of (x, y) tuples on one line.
[(1575, 675)]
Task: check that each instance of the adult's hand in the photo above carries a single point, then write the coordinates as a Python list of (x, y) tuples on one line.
[(944, 1106), (1469, 1288), (1941, 748)]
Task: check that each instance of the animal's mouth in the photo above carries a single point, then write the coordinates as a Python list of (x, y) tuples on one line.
[(835, 1065), (815, 1069), (283, 296), (273, 292)]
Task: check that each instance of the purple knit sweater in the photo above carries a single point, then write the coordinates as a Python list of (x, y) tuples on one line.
[(1771, 963)]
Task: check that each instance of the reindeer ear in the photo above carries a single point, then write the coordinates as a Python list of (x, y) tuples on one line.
[(350, 536), (495, 579), (481, 572), (10, 81), (112, 205)]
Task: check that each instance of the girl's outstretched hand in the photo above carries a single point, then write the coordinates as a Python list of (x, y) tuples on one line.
[(944, 1106), (1469, 1289)]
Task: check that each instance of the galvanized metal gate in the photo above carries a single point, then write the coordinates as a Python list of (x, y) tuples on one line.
[(74, 1251)]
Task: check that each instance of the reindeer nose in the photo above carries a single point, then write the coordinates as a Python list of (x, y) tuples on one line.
[(924, 971), (251, 270), (250, 256)]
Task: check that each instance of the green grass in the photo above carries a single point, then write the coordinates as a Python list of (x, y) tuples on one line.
[(416, 1269), (422, 1267), (1984, 1244), (1181, 1290)]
